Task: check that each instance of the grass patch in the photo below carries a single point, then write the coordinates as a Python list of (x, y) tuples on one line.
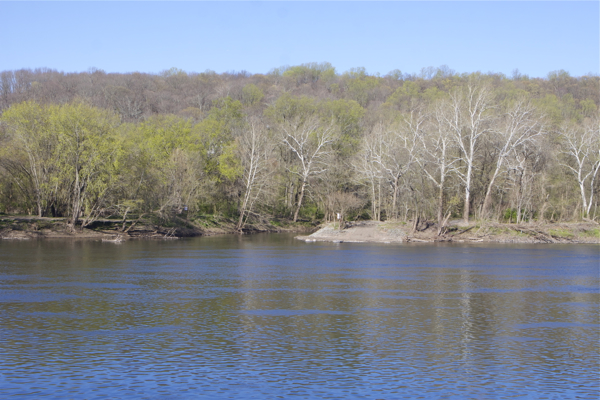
[(45, 225), (500, 231), (562, 233), (392, 224), (595, 233)]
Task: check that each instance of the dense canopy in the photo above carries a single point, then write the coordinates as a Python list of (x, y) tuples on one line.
[(301, 142)]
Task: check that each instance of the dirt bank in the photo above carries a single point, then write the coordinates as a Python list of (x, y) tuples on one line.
[(28, 227), (400, 232)]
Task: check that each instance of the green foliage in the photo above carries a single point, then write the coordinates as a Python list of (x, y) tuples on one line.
[(310, 73), (348, 115), (161, 134), (510, 215), (69, 150), (216, 131), (288, 107), (252, 95), (359, 85), (588, 107), (173, 72), (406, 94), (550, 106), (230, 166), (562, 233), (594, 232), (180, 143), (395, 74)]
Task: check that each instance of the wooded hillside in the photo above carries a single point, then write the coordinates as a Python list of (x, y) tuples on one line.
[(301, 142)]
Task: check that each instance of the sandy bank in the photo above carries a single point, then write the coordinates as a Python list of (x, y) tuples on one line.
[(398, 232)]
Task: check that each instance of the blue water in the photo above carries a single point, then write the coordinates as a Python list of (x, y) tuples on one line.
[(268, 316)]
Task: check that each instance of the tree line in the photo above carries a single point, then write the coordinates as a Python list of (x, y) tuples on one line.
[(301, 142)]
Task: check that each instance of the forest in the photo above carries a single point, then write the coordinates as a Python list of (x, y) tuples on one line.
[(300, 143)]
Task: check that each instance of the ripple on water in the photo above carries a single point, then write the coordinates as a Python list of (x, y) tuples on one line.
[(244, 320)]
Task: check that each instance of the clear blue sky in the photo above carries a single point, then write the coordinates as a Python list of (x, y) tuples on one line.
[(535, 37)]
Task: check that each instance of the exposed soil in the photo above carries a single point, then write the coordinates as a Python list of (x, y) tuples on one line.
[(399, 232), (29, 227)]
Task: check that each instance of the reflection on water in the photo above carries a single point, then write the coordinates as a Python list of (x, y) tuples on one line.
[(267, 316)]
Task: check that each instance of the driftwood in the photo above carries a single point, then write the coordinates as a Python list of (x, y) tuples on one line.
[(537, 234), (134, 223), (420, 225), (442, 228), (463, 231)]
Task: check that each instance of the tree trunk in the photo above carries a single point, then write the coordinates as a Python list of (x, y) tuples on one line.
[(39, 208), (373, 200), (488, 196), (395, 198), (582, 189), (467, 207), (440, 210), (76, 206), (240, 223), (300, 200)]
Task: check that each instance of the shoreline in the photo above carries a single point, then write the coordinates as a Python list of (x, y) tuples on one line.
[(28, 227), (392, 232), (482, 232)]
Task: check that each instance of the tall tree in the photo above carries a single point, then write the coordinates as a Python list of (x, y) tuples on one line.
[(582, 152), (255, 151), (468, 116), (520, 124), (434, 157), (310, 140), (87, 148), (368, 168), (30, 134)]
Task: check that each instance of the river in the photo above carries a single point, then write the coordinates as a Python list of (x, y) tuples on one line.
[(267, 316)]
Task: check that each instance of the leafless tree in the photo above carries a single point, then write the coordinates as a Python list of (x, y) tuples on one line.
[(310, 140), (434, 156), (341, 203), (368, 168), (521, 124), (468, 116), (582, 152), (255, 149), (396, 153), (524, 163)]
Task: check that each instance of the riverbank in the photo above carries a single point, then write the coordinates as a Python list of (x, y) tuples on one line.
[(29, 227), (401, 232)]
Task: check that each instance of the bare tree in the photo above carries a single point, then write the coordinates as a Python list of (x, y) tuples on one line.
[(468, 116), (343, 203), (368, 169), (582, 152), (436, 147), (397, 151), (524, 163), (520, 125), (255, 149), (182, 179), (310, 141)]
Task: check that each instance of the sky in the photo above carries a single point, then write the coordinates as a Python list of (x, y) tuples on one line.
[(536, 37)]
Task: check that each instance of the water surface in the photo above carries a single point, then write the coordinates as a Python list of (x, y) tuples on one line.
[(267, 316)]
